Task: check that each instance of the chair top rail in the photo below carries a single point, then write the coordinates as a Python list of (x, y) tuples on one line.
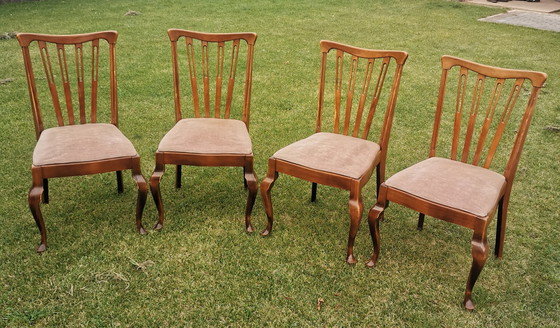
[(26, 38)]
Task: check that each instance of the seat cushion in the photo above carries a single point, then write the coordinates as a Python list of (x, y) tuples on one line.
[(207, 136), (454, 184), (331, 152), (81, 143)]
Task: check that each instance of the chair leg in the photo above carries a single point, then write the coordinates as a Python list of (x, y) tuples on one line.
[(375, 215), (245, 185), (501, 228), (34, 199), (420, 221), (313, 192), (120, 187), (142, 194), (379, 179), (479, 245), (250, 178), (155, 180), (178, 171), (266, 186), (45, 191), (356, 206)]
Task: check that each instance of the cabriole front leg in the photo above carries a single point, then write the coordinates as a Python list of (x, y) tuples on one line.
[(479, 245), (155, 180), (356, 207), (142, 193), (250, 178), (374, 216), (266, 186), (34, 199)]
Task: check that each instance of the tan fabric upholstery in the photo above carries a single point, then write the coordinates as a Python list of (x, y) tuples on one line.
[(331, 152), (451, 183), (207, 136), (81, 143)]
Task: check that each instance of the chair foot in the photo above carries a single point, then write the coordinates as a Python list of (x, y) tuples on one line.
[(265, 232), (371, 263), (41, 248), (158, 226), (351, 260), (469, 305)]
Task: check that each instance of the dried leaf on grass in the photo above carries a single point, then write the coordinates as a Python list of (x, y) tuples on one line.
[(133, 13), (6, 81), (142, 266), (105, 277), (8, 35), (320, 302)]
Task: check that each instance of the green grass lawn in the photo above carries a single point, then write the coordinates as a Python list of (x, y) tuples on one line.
[(202, 269)]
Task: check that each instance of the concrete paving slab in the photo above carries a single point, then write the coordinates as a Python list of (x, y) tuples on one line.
[(544, 6), (541, 21)]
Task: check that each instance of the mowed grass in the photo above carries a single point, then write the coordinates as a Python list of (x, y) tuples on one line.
[(202, 269)]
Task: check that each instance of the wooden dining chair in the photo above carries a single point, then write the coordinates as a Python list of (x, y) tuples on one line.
[(211, 137), (485, 103), (344, 158), (78, 73)]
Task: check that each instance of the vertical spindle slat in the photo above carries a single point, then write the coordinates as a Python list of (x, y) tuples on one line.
[(94, 79), (506, 114), (219, 75), (192, 73), (33, 97), (459, 104), (206, 78), (376, 94), (80, 80), (495, 97), (363, 95), (338, 89), (63, 65), (473, 113), (113, 84), (439, 110), (248, 85), (45, 58), (321, 98), (231, 77), (350, 93)]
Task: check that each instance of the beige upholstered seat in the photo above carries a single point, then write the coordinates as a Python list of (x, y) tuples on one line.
[(450, 183), (81, 143), (207, 136), (331, 152)]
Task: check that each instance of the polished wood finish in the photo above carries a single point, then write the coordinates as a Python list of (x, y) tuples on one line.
[(84, 62), (354, 100), (233, 53), (476, 133)]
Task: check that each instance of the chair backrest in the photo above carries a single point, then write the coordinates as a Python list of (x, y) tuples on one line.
[(354, 110), (483, 100), (217, 91), (70, 66)]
